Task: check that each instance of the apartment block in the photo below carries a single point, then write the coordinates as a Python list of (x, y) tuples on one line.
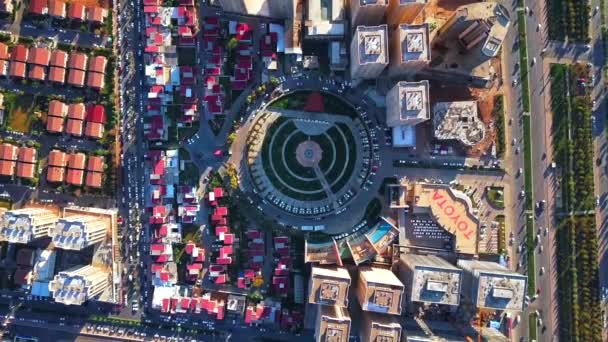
[(379, 327), (379, 290), (368, 52), (264, 8), (25, 225), (410, 50), (430, 279), (78, 284), (78, 232), (333, 324), (367, 12), (492, 286), (329, 286), (407, 103)]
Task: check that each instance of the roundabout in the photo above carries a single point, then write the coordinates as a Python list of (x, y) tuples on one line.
[(303, 160)]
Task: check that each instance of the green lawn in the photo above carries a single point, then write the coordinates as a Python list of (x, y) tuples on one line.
[(530, 247), (496, 196), (523, 60), (532, 327), (19, 108), (528, 162)]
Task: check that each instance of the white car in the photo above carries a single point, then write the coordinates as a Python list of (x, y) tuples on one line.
[(542, 270)]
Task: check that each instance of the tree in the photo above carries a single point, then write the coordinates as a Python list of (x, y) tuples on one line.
[(232, 43), (255, 297), (231, 138)]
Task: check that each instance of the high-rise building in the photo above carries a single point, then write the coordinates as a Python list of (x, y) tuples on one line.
[(492, 286), (367, 12), (78, 284), (430, 279), (333, 324), (265, 8), (325, 19), (25, 225), (379, 290), (78, 232), (368, 52), (378, 327), (410, 50), (407, 103), (404, 11), (329, 286)]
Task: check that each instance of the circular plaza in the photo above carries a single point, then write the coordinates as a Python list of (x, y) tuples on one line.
[(307, 153)]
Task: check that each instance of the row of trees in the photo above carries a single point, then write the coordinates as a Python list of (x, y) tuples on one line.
[(570, 19), (577, 242)]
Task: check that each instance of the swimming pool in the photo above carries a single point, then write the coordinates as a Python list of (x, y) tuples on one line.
[(380, 232)]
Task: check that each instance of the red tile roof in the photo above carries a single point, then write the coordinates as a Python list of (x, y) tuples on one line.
[(19, 53), (37, 73), (98, 64), (57, 74), (74, 127), (96, 113), (76, 77), (54, 124), (76, 111), (96, 14), (95, 80), (57, 8), (94, 130), (55, 174), (4, 51), (27, 155), (39, 56), (57, 158), (93, 179), (95, 163), (74, 177), (57, 108), (76, 11), (77, 60), (7, 167), (39, 7), (25, 170), (16, 69), (76, 160), (8, 152), (59, 58)]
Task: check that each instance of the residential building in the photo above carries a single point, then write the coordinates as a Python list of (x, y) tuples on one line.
[(79, 231), (96, 14), (492, 286), (39, 7), (56, 161), (329, 286), (79, 284), (333, 324), (407, 104), (379, 290), (26, 162), (378, 327), (368, 52), (404, 11), (325, 19), (25, 225), (57, 9), (367, 12), (459, 121), (323, 253), (76, 11), (430, 279), (8, 159), (410, 50)]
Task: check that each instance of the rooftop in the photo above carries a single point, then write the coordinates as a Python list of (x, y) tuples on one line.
[(415, 45), (373, 45), (412, 105), (322, 253), (459, 121), (434, 280)]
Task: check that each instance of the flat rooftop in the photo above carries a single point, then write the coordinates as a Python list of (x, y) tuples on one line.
[(459, 121), (373, 45), (373, 2), (379, 276), (322, 253), (498, 288), (414, 100), (325, 18), (415, 45), (435, 280)]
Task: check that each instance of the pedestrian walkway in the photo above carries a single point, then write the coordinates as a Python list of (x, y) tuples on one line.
[(326, 186)]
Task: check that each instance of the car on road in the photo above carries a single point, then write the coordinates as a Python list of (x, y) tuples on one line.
[(542, 270)]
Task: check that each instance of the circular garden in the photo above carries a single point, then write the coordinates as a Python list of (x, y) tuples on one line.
[(307, 157)]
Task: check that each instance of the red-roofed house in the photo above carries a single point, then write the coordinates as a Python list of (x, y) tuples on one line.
[(57, 9), (57, 75), (77, 60), (39, 56), (76, 11), (214, 104), (94, 179), (76, 78), (39, 7), (37, 73), (59, 58), (96, 14), (98, 64), (95, 80), (280, 284), (16, 69), (96, 113), (75, 177), (74, 127), (20, 53)]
